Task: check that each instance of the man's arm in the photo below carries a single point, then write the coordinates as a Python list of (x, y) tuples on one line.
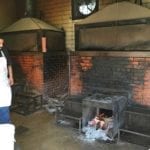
[(10, 75)]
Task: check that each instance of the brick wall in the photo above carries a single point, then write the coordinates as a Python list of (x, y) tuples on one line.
[(141, 79), (28, 70), (75, 76), (44, 73), (130, 74)]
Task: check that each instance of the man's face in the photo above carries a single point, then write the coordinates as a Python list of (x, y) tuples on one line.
[(1, 42)]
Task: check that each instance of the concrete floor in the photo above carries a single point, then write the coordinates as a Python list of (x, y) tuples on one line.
[(43, 134)]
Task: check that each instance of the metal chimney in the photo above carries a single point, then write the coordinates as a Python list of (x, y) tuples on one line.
[(30, 8)]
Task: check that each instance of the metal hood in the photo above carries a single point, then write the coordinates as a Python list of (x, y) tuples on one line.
[(119, 26), (32, 34), (117, 12), (28, 24)]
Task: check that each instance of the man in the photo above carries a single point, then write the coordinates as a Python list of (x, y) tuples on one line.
[(6, 81)]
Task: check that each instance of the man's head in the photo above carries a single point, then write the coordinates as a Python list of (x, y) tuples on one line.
[(1, 42)]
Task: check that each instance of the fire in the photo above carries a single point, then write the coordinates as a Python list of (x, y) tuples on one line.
[(99, 128), (99, 122)]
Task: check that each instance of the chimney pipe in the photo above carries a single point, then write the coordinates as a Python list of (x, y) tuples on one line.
[(30, 8)]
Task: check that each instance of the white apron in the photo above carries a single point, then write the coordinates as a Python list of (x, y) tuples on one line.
[(5, 89)]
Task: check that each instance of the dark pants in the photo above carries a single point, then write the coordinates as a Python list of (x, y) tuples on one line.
[(4, 115)]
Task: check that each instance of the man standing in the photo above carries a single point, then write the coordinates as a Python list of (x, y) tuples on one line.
[(6, 81)]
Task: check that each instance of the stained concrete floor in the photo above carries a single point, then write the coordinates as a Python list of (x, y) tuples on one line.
[(41, 133)]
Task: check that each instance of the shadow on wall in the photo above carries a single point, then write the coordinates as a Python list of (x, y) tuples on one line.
[(129, 74)]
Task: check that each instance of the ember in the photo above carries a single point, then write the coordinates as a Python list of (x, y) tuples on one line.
[(103, 115), (99, 127), (100, 121)]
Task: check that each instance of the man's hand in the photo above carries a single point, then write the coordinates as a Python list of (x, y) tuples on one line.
[(11, 81), (10, 75)]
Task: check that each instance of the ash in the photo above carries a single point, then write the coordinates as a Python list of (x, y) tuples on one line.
[(91, 133), (55, 104), (63, 122)]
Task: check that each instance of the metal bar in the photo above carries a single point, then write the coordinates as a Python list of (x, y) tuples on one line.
[(137, 133)]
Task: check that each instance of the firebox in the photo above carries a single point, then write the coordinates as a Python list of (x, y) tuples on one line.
[(109, 108)]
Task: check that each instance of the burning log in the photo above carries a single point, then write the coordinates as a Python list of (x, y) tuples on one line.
[(99, 122), (100, 128)]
